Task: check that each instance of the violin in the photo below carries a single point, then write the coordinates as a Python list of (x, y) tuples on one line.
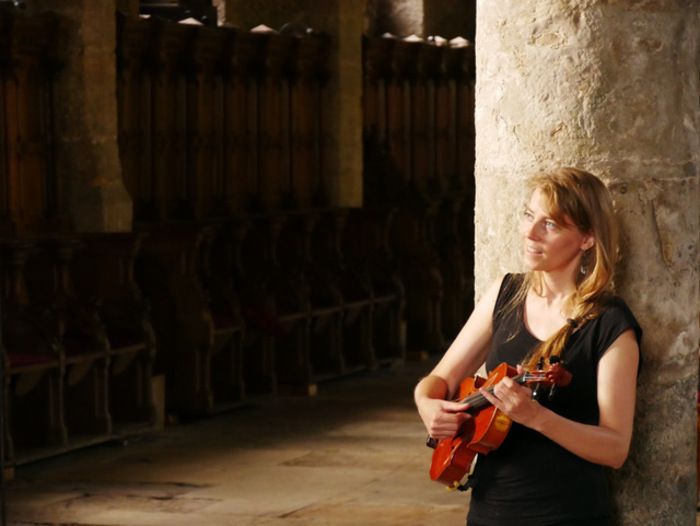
[(488, 427)]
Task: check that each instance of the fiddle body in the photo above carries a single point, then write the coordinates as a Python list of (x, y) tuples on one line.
[(488, 427)]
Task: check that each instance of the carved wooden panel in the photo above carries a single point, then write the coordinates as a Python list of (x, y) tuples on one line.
[(308, 173), (168, 95), (377, 72), (103, 274), (29, 196), (445, 122), (166, 272), (240, 120), (204, 109), (465, 124), (35, 361), (134, 112), (274, 123)]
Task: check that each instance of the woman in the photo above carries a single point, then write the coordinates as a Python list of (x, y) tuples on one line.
[(550, 470)]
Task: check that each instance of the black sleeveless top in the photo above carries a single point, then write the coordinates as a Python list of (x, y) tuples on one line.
[(530, 480)]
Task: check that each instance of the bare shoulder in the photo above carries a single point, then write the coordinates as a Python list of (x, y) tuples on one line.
[(490, 296), (623, 351)]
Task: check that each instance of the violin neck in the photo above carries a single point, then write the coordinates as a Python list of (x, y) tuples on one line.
[(477, 401)]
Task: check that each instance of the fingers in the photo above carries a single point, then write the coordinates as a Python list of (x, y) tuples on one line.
[(507, 390), (512, 399), (494, 400), (454, 407), (442, 430), (506, 394), (447, 420)]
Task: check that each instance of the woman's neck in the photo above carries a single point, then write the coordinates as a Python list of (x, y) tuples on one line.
[(556, 287)]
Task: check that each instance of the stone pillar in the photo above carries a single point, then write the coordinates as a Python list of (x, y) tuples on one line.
[(398, 17), (344, 21), (446, 18), (220, 6), (87, 158), (611, 87)]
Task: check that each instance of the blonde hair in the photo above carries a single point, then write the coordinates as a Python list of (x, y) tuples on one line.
[(573, 196)]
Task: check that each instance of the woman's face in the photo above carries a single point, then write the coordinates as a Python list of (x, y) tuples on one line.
[(550, 246)]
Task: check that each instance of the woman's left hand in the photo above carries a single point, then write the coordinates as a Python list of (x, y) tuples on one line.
[(514, 400)]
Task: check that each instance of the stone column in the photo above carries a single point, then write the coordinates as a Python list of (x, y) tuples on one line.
[(447, 18), (85, 105), (611, 87), (344, 21), (220, 11), (398, 17)]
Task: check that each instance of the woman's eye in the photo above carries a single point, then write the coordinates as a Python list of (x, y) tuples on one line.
[(551, 225), (527, 215)]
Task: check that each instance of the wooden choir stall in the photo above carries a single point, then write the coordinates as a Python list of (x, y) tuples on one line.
[(240, 278)]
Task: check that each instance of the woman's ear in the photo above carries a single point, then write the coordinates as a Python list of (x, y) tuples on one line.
[(588, 242)]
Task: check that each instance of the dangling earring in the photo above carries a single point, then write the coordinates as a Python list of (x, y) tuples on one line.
[(584, 262)]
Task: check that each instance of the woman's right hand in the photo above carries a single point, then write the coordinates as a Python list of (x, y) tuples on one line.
[(442, 418)]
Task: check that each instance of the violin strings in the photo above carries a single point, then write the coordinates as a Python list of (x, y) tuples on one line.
[(477, 398)]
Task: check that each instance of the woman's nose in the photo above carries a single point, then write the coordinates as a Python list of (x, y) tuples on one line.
[(530, 230)]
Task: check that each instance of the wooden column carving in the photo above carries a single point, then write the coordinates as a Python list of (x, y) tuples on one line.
[(29, 196), (376, 68), (448, 116), (274, 116), (168, 83), (465, 113), (465, 136), (422, 119), (134, 108), (377, 72), (399, 90), (204, 102), (241, 121), (307, 172)]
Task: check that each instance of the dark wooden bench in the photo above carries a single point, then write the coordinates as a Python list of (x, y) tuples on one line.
[(226, 359), (321, 286), (166, 272), (35, 363), (255, 306), (366, 248), (354, 286), (103, 274), (455, 266), (80, 333), (276, 302), (420, 271)]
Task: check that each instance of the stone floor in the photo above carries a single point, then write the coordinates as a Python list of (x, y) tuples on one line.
[(352, 455)]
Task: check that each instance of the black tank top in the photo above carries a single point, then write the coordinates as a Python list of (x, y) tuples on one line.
[(530, 480)]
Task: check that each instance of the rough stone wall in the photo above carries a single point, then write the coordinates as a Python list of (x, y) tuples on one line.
[(344, 21), (87, 156), (611, 87)]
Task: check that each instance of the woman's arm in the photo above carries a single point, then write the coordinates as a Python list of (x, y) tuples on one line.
[(606, 443), (443, 418)]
